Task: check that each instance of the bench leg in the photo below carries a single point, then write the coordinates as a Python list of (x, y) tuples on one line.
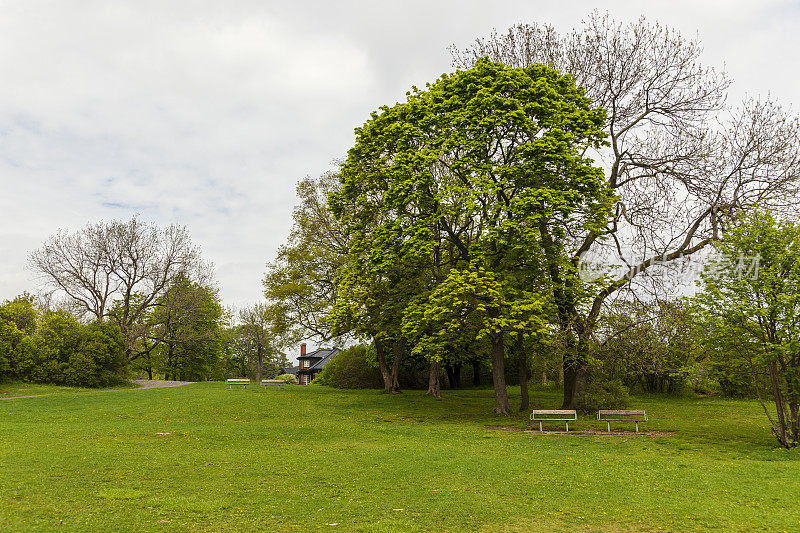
[(637, 426), (540, 426), (609, 426), (567, 426)]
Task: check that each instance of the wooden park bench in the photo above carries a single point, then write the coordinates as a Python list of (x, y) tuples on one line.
[(560, 415), (237, 381), (621, 415), (279, 382)]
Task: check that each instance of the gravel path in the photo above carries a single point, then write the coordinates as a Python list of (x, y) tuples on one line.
[(143, 384)]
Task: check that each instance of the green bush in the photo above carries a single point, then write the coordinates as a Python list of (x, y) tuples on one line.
[(287, 378), (63, 351), (17, 324), (604, 393), (350, 369)]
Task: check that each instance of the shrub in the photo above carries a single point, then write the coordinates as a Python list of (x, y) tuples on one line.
[(604, 393), (350, 369), (67, 352), (287, 378), (17, 324)]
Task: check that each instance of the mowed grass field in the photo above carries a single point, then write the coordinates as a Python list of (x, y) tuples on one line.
[(304, 458)]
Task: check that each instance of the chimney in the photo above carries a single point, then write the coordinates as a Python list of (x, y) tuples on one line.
[(303, 350)]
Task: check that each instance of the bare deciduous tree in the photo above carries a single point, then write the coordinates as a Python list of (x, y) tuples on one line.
[(683, 163), (116, 270)]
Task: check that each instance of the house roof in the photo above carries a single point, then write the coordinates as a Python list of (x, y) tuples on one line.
[(318, 354), (325, 355), (290, 370)]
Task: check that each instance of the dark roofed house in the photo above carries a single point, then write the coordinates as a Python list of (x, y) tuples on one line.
[(311, 363)]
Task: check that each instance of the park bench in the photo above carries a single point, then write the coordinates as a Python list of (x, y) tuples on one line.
[(621, 415), (560, 415), (237, 381), (279, 382)]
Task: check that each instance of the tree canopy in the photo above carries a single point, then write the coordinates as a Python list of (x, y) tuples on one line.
[(460, 185)]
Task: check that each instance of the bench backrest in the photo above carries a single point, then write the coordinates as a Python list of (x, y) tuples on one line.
[(555, 412), (238, 380), (619, 412), (272, 381)]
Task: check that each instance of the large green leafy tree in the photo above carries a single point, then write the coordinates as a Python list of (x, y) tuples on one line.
[(460, 185), (682, 159), (187, 331), (752, 295), (300, 285)]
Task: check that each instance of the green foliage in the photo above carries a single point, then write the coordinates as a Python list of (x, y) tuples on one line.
[(450, 200), (54, 347), (288, 378), (300, 285), (187, 332), (350, 369), (753, 313), (17, 325), (605, 393), (66, 352)]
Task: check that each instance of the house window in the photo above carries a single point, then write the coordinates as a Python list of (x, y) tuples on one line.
[(306, 379)]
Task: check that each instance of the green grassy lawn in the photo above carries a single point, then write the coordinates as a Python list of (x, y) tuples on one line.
[(304, 458)]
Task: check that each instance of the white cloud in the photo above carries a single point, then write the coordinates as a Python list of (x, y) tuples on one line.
[(206, 114)]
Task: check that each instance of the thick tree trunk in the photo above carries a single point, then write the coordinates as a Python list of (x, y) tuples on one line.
[(499, 375), (398, 349), (389, 375), (453, 375), (576, 375), (433, 380), (525, 402), (476, 373)]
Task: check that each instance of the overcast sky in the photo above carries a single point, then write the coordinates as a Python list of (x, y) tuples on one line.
[(206, 114)]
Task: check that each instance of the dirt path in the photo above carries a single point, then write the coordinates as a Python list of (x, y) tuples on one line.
[(142, 384), (575, 433)]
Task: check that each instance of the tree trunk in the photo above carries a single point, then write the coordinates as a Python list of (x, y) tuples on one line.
[(453, 375), (259, 364), (398, 348), (576, 376), (499, 375), (390, 382), (433, 380), (476, 373), (777, 395), (525, 402)]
